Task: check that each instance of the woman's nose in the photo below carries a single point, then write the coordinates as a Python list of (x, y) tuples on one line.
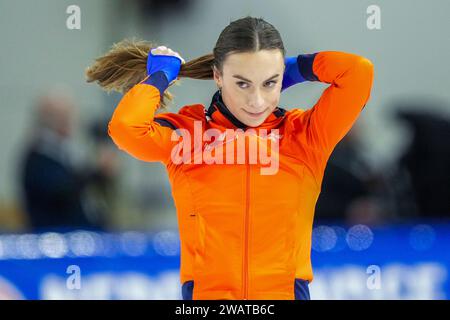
[(257, 101)]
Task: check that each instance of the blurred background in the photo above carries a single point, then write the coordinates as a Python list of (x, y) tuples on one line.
[(79, 219)]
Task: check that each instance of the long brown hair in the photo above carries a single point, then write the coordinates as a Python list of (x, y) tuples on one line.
[(125, 64)]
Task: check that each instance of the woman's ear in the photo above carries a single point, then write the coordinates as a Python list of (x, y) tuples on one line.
[(217, 77)]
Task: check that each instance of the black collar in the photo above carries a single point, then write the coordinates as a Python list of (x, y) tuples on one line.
[(218, 104)]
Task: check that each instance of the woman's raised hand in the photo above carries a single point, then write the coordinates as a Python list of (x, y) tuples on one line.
[(162, 50), (166, 60)]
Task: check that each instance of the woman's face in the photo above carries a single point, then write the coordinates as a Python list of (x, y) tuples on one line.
[(251, 84)]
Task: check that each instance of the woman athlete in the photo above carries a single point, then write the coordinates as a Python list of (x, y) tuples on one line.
[(245, 233)]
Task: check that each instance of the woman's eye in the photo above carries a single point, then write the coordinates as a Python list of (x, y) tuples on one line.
[(241, 82)]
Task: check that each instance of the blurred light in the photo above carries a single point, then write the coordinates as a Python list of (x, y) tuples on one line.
[(133, 243), (359, 237), (8, 245), (341, 242), (27, 246), (324, 238), (422, 237), (82, 243), (107, 244), (166, 243), (2, 250), (8, 291), (52, 245)]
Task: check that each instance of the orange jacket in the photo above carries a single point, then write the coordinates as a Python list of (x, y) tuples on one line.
[(245, 235)]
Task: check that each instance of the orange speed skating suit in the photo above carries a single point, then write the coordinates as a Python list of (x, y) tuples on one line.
[(247, 235)]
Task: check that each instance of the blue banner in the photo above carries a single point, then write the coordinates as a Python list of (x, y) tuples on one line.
[(409, 261)]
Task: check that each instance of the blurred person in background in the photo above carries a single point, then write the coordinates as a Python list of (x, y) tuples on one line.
[(103, 192), (425, 164), (351, 189), (53, 177)]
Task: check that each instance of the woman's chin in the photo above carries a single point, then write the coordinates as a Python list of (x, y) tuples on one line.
[(254, 122)]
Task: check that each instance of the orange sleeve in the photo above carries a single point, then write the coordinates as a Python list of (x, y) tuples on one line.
[(319, 129), (133, 127), (339, 106)]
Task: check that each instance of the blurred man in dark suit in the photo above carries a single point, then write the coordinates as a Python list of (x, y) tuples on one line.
[(53, 182)]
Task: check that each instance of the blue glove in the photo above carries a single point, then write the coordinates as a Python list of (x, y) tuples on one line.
[(170, 65), (162, 69), (292, 73), (298, 69)]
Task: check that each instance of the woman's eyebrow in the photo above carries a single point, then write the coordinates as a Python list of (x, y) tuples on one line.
[(242, 78)]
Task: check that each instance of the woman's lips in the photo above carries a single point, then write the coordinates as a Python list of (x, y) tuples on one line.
[(255, 115)]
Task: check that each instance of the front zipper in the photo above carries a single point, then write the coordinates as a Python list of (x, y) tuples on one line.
[(245, 269)]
